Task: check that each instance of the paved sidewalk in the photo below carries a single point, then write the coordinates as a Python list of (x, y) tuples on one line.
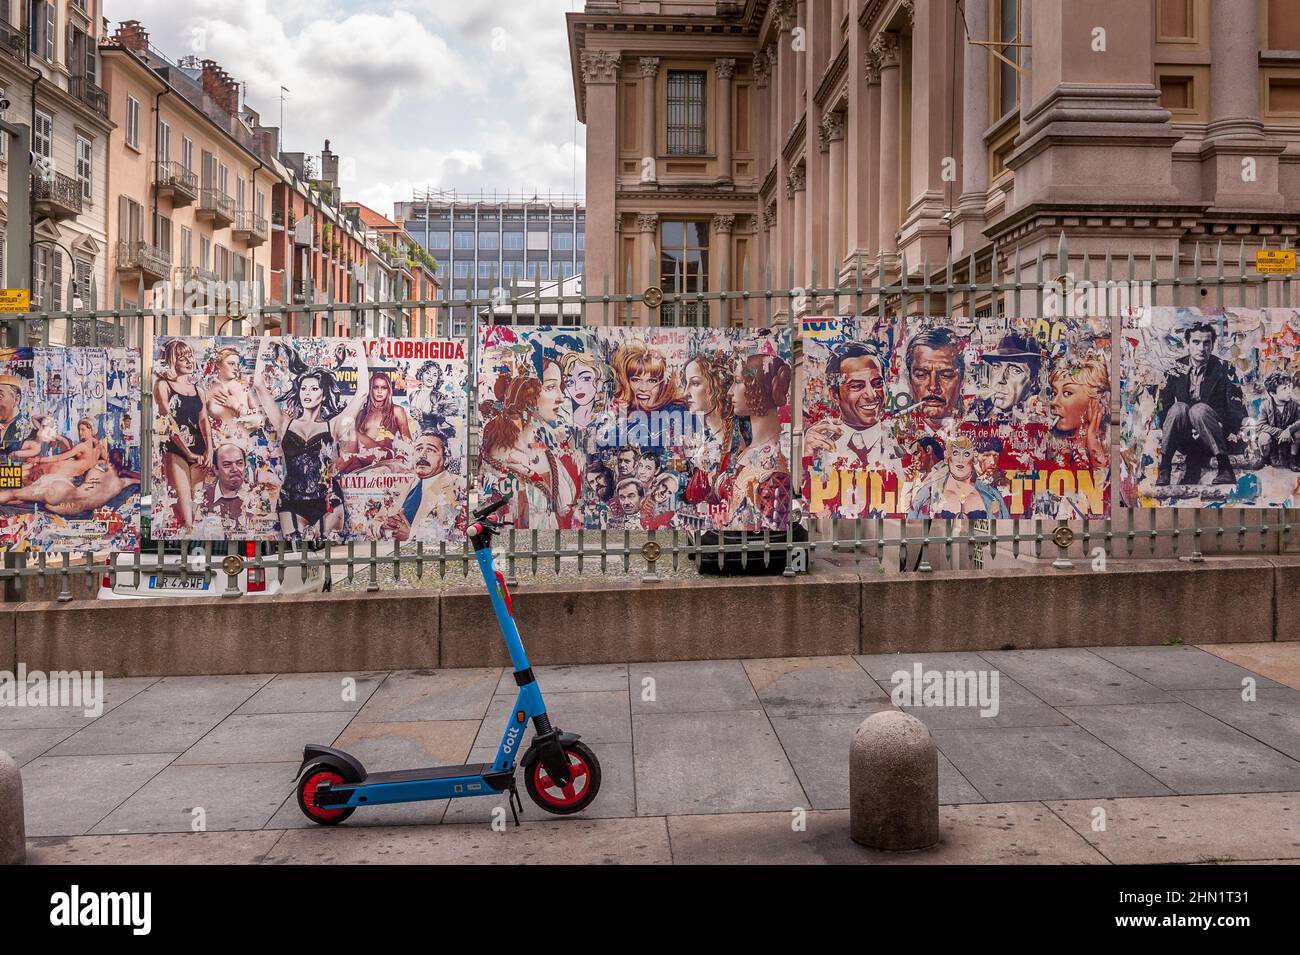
[(703, 761)]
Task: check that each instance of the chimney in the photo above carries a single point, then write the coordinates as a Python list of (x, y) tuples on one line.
[(220, 88), (132, 35), (329, 165)]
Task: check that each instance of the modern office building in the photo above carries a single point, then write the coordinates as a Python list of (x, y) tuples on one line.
[(485, 241)]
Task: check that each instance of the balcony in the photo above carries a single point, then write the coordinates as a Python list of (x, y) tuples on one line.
[(13, 41), (195, 273), (216, 207), (148, 261), (88, 94), (175, 182), (249, 228), (58, 197)]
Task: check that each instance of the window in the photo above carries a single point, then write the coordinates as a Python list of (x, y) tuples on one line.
[(187, 153), (686, 134), (582, 241), (162, 234), (538, 270), (461, 270), (81, 270), (1008, 80), (130, 220), (40, 18), (164, 141), (47, 291), (562, 242), (487, 270), (440, 240), (85, 154), (684, 269), (209, 169), (489, 240), (465, 240), (187, 238), (43, 137), (223, 178), (205, 252), (239, 194), (539, 241), (512, 241), (132, 122)]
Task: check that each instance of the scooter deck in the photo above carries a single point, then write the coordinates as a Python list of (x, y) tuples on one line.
[(414, 785), (432, 772)]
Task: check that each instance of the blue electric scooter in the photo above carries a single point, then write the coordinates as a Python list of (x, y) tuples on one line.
[(562, 775)]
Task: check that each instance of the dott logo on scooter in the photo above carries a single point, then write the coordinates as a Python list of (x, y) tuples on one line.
[(511, 736)]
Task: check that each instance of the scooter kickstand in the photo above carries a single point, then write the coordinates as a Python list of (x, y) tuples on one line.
[(514, 798)]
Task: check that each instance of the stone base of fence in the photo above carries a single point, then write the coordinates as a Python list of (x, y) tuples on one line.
[(1219, 600)]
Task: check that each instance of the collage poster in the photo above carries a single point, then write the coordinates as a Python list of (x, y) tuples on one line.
[(637, 428), (949, 418), (69, 449), (318, 439), (1211, 416)]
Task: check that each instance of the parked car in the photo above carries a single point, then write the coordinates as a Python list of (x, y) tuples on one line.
[(181, 570)]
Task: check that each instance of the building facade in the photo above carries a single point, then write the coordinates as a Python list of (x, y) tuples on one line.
[(189, 195), (823, 142), (483, 242), (51, 76), (399, 271)]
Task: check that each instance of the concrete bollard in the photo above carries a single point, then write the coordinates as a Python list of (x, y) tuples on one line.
[(893, 783), (13, 838)]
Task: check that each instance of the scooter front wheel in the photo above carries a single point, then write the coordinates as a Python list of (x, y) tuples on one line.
[(584, 782), (307, 787)]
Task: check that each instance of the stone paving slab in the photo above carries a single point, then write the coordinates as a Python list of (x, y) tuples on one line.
[(24, 745), (264, 737), (1219, 828), (818, 748), (116, 692), (791, 686), (237, 796), (569, 679), (711, 762), (573, 842), (992, 834), (189, 848), (1043, 762), (1273, 717), (1179, 668), (1276, 661), (1187, 750), (1074, 677), (695, 687), (313, 693), (68, 795), (883, 666), (168, 717), (432, 695)]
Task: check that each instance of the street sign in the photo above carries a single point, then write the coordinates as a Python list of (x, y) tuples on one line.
[(15, 300), (1275, 261)]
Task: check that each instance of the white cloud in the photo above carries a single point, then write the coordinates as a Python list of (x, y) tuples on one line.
[(471, 95)]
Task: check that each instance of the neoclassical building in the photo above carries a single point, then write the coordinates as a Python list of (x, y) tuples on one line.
[(848, 136)]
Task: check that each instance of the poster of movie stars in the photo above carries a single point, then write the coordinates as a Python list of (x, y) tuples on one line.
[(952, 418), (313, 439), (1211, 416), (637, 428), (69, 449)]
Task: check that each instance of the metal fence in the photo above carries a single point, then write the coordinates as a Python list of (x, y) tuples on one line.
[(995, 285)]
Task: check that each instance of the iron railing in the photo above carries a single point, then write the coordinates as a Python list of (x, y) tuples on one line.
[(997, 284)]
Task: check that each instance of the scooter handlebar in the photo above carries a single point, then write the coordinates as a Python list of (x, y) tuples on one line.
[(492, 508)]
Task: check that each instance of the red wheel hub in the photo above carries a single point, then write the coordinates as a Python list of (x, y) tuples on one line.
[(314, 782), (553, 792)]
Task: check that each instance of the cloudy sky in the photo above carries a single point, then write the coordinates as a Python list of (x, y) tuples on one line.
[(464, 94)]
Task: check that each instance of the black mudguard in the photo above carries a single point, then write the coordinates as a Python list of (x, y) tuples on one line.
[(346, 765), (540, 742)]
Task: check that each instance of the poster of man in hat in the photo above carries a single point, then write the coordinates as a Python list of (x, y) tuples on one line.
[(1010, 378)]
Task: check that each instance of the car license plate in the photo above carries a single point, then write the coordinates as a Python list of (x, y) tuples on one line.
[(188, 582)]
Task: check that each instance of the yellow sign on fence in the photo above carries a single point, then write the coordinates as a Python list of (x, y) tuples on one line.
[(1271, 261), (15, 300)]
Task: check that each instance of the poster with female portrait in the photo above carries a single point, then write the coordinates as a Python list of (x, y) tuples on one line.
[(69, 449), (940, 417), (1210, 410), (637, 428), (322, 439)]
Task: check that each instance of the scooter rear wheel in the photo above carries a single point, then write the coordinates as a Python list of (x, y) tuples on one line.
[(307, 787), (584, 782)]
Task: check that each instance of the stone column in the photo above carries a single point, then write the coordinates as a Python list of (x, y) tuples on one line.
[(870, 229), (833, 131), (722, 278), (726, 69), (968, 222), (647, 268), (649, 128), (796, 191), (600, 89), (770, 237), (762, 109), (1234, 76), (886, 48), (924, 230)]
